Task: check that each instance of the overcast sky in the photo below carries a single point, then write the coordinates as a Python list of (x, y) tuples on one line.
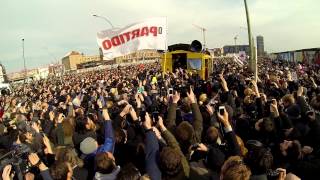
[(52, 28)]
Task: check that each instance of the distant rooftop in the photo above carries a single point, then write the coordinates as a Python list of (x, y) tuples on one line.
[(72, 53), (299, 50)]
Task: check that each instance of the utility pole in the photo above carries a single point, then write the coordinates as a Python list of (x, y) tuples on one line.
[(203, 34), (252, 61)]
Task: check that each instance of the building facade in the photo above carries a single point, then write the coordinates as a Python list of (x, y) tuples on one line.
[(216, 52), (307, 56), (143, 55), (74, 58), (234, 49), (260, 46)]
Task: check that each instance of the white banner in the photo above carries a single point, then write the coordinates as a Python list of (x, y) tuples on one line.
[(242, 55), (240, 58), (147, 34)]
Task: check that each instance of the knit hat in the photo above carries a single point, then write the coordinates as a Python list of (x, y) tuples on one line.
[(88, 145)]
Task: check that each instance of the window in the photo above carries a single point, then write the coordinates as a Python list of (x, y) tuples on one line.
[(194, 64)]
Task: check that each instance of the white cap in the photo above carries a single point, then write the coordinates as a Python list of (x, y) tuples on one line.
[(88, 145)]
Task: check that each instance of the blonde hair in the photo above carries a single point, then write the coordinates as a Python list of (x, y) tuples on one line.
[(288, 98), (65, 154), (243, 149), (203, 97), (248, 92), (234, 169)]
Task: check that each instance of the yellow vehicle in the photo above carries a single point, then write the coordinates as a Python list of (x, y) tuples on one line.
[(200, 63)]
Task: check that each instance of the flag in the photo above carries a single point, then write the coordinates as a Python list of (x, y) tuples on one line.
[(147, 34), (237, 60), (242, 56)]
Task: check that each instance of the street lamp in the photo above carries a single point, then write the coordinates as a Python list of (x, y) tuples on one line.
[(24, 61), (104, 18), (107, 20), (235, 43)]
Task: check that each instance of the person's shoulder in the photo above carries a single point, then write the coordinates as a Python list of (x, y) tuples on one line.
[(80, 173)]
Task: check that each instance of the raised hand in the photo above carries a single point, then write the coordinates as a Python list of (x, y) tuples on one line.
[(307, 150), (157, 132), (36, 126), (29, 176), (133, 114), (191, 96), (122, 102), (138, 100), (33, 159), (300, 91), (60, 118), (176, 97), (289, 76), (224, 83), (255, 86), (210, 109), (46, 142), (274, 108), (202, 147), (105, 114), (145, 93), (224, 119), (161, 125), (51, 115), (148, 122), (282, 174), (141, 97), (6, 172), (99, 103)]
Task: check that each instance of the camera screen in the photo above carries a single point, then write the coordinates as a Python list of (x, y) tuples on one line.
[(143, 116), (155, 116), (221, 110)]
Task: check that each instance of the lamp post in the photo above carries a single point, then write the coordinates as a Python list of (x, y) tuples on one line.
[(24, 62), (235, 43), (104, 18), (107, 20)]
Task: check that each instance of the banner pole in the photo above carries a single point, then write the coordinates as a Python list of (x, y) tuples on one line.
[(166, 50)]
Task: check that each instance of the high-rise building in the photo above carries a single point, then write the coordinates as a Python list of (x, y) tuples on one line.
[(260, 45)]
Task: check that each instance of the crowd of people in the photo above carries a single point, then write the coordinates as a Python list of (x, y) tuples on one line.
[(136, 122)]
